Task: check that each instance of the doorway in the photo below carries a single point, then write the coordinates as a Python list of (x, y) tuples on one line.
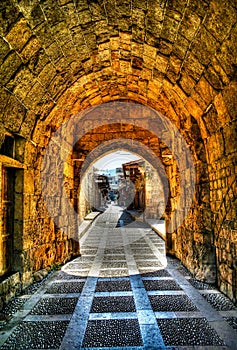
[(7, 219)]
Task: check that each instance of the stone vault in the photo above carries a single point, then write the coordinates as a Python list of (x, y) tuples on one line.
[(62, 58)]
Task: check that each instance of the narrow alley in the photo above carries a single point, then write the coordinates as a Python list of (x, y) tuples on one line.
[(122, 293)]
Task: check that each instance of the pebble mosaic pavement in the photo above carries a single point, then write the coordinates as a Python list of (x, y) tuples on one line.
[(122, 293)]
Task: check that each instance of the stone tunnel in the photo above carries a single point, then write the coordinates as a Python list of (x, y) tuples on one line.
[(81, 78)]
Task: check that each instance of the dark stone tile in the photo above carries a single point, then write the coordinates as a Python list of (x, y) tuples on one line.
[(114, 273), (232, 321), (200, 285), (14, 305), (68, 276), (144, 257), (36, 335), (113, 251), (112, 333), (112, 286), (68, 287), (171, 303), (114, 265), (54, 306), (161, 285), (153, 264), (117, 257), (36, 285), (219, 301), (78, 266), (113, 304), (188, 332), (85, 251), (157, 273)]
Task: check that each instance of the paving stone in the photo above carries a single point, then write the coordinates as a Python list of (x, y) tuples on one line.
[(171, 303), (85, 258), (89, 251), (67, 276), (155, 264), (36, 335), (113, 265), (111, 286), (68, 287), (200, 285), (114, 273), (14, 305), (54, 306), (112, 333), (232, 321), (114, 257), (139, 257), (158, 273), (113, 251), (36, 285), (161, 285), (78, 266), (80, 274), (219, 301), (188, 332), (113, 304)]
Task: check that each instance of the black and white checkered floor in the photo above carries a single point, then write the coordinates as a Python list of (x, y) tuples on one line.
[(122, 293)]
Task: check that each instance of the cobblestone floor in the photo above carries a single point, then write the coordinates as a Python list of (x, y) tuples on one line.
[(122, 293)]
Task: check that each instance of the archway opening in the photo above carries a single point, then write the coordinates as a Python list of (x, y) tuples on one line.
[(130, 193), (128, 180)]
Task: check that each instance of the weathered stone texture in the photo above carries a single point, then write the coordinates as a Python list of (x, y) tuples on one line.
[(59, 58)]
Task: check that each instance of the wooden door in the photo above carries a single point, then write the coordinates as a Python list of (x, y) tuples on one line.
[(7, 218)]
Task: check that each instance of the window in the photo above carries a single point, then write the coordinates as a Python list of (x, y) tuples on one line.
[(8, 147)]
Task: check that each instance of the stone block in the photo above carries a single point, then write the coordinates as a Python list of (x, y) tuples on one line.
[(234, 236), (230, 139), (19, 34), (186, 82), (169, 29), (31, 49), (215, 148), (214, 19), (29, 181), (204, 46), (193, 108), (190, 24), (205, 90)]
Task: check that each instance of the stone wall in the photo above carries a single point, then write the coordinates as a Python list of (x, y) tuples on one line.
[(155, 195), (9, 288), (223, 198), (46, 239)]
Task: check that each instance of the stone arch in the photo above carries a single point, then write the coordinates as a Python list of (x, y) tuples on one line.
[(178, 57), (134, 147), (97, 132), (155, 171)]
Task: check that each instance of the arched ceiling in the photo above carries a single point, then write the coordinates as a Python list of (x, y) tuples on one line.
[(60, 57)]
